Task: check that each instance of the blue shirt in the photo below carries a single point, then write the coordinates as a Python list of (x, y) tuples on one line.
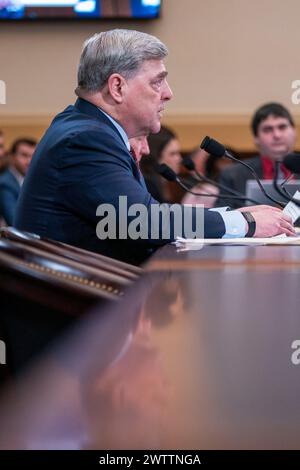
[(119, 128), (235, 223)]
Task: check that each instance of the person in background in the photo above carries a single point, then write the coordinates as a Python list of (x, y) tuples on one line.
[(201, 160), (164, 148), (3, 154), (3, 166), (274, 135), (12, 178), (139, 147)]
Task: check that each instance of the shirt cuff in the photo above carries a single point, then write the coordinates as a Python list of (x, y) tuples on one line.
[(235, 224), (220, 209)]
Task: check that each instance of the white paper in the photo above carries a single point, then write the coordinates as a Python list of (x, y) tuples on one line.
[(197, 243), (292, 209), (184, 244)]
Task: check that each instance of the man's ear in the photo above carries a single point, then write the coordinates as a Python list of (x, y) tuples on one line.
[(257, 142), (116, 84)]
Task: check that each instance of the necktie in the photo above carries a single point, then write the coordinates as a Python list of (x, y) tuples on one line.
[(268, 169), (140, 175)]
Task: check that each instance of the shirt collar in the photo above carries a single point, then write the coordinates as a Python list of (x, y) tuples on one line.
[(268, 168), (119, 128), (19, 177)]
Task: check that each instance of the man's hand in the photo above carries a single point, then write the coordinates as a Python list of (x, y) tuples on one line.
[(258, 208), (270, 221)]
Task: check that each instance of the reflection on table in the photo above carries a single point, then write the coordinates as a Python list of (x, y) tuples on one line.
[(197, 355)]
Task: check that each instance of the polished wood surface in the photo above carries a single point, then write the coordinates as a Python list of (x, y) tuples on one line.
[(84, 257), (197, 355)]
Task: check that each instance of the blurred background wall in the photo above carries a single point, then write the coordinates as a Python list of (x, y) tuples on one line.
[(226, 58)]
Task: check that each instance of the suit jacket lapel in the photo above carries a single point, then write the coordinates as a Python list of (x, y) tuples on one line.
[(259, 170)]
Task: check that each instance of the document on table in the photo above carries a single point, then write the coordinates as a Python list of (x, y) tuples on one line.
[(185, 244)]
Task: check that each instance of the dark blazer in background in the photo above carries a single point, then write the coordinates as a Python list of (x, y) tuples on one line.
[(81, 162), (9, 193), (235, 177)]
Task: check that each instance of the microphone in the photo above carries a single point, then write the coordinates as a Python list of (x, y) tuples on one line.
[(218, 150), (167, 172), (170, 175), (292, 162), (292, 165), (190, 165)]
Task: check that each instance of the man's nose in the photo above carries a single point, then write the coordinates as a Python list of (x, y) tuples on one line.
[(277, 133), (167, 93)]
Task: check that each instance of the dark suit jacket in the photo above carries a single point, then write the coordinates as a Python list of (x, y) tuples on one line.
[(80, 163), (9, 193), (235, 177)]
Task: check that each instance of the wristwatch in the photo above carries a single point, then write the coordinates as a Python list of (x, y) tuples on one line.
[(251, 224)]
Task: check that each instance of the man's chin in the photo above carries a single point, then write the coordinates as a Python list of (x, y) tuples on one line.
[(155, 128), (279, 154)]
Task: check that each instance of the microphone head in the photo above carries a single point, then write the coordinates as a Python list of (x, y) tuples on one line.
[(167, 172), (292, 162), (213, 147), (188, 163)]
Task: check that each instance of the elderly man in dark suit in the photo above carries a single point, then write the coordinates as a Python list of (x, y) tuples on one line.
[(12, 178), (83, 163)]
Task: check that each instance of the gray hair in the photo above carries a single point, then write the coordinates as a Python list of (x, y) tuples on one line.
[(117, 51)]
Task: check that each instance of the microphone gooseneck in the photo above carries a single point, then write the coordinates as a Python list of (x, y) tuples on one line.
[(281, 190), (213, 147), (170, 175), (190, 165)]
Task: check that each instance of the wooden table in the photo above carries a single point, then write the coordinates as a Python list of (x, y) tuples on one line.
[(196, 356)]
